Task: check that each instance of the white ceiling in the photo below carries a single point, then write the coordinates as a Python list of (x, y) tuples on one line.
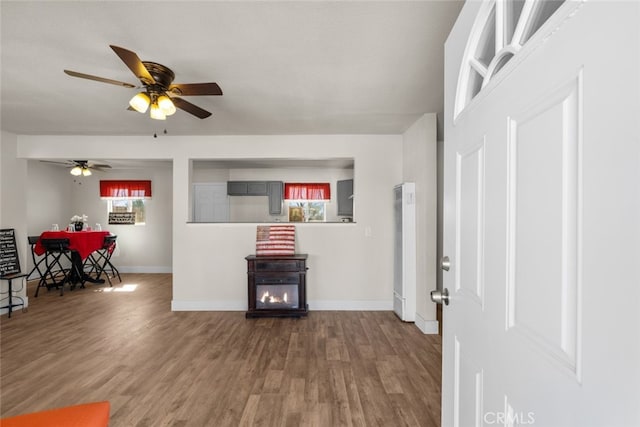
[(298, 67)]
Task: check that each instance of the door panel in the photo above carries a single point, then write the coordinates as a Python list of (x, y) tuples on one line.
[(470, 222), (469, 389), (542, 225)]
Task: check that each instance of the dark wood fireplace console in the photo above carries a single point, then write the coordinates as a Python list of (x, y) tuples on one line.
[(277, 285)]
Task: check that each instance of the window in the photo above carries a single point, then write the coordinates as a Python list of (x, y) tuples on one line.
[(126, 196), (310, 198), (311, 211), (501, 30), (128, 205)]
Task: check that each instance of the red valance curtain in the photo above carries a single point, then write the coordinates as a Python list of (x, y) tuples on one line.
[(307, 191), (125, 189)]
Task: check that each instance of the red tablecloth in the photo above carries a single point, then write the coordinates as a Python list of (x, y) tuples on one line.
[(84, 242)]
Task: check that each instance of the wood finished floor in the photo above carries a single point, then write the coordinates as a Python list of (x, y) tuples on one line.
[(163, 368)]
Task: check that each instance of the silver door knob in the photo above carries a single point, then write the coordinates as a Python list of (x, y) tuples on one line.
[(440, 297), (445, 263)]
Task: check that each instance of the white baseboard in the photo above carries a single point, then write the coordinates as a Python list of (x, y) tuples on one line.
[(208, 305), (351, 305), (177, 305), (145, 269), (428, 327)]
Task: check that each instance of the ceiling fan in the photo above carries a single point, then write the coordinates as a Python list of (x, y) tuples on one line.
[(159, 92), (80, 167)]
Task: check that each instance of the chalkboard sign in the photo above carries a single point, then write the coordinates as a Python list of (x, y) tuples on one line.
[(9, 262)]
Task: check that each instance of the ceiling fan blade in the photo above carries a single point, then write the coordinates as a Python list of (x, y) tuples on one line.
[(98, 79), (99, 166), (134, 63), (190, 108), (63, 163), (194, 89)]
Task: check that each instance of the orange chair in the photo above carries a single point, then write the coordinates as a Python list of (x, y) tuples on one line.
[(94, 414)]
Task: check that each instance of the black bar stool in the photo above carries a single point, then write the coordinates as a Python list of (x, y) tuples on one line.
[(56, 251), (100, 261), (37, 263)]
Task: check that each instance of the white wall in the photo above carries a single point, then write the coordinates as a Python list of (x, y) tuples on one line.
[(351, 265), (13, 202), (419, 164), (49, 196)]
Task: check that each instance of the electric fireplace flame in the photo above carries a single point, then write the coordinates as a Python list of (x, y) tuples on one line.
[(266, 298), (276, 296)]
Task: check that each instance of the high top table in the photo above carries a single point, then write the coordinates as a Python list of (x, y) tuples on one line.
[(83, 242), (81, 245)]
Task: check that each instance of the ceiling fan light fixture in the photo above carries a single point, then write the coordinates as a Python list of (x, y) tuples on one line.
[(157, 84), (140, 102), (76, 171), (86, 172), (156, 113), (166, 105)]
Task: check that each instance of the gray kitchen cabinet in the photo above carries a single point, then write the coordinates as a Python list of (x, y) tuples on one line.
[(257, 188), (275, 190), (247, 188), (237, 188), (345, 197)]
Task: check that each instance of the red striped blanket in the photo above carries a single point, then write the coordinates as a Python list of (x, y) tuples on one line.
[(275, 240)]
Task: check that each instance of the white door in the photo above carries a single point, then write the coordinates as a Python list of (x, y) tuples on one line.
[(210, 202), (542, 214)]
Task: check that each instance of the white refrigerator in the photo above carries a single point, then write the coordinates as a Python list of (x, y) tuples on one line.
[(404, 265)]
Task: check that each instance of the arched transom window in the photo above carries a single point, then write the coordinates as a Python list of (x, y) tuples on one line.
[(501, 29)]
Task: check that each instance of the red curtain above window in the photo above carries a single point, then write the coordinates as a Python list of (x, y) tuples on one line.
[(125, 189), (307, 191)]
